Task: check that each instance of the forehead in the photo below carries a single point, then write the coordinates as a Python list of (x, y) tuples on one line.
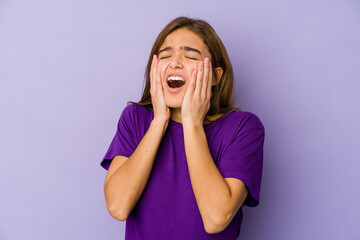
[(185, 37)]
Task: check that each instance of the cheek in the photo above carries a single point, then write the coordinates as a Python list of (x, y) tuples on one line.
[(162, 68), (191, 69)]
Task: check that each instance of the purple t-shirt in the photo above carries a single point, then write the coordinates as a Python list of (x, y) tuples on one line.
[(167, 208)]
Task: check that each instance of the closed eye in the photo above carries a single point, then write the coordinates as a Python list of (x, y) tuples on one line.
[(186, 57)]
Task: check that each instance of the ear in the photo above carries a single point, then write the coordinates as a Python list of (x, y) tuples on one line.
[(219, 71)]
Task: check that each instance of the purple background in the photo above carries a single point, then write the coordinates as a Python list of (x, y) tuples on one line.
[(67, 69)]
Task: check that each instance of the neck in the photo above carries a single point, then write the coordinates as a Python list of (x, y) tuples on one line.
[(176, 114)]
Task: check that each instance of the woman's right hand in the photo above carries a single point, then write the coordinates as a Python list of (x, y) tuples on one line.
[(161, 111)]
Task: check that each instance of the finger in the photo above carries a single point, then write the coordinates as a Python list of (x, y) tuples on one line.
[(208, 89), (153, 72), (156, 71), (158, 80), (199, 79), (191, 87), (204, 89)]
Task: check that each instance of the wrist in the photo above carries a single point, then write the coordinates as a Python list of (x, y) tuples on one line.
[(159, 123), (189, 124)]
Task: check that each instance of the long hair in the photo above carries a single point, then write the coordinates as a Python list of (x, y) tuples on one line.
[(222, 93)]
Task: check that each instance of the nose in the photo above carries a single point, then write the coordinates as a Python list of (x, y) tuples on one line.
[(176, 62)]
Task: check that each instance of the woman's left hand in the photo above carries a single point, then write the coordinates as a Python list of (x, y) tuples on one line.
[(196, 101)]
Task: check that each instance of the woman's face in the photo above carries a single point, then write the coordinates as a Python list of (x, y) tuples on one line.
[(179, 56)]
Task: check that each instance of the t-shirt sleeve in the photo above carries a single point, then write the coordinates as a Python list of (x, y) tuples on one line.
[(124, 142), (243, 159)]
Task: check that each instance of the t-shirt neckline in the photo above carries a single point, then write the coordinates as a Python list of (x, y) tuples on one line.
[(207, 125)]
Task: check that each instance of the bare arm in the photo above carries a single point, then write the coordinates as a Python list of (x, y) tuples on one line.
[(218, 198), (127, 177)]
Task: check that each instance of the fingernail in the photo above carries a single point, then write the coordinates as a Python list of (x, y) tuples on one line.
[(201, 63)]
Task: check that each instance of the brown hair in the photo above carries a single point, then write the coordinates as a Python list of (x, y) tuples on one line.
[(222, 93)]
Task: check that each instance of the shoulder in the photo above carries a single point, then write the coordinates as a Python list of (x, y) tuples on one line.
[(243, 121), (135, 111), (136, 115)]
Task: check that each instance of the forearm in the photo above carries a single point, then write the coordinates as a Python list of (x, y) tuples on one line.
[(127, 183), (211, 190)]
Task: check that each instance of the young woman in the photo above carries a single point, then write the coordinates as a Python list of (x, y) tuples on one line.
[(183, 160)]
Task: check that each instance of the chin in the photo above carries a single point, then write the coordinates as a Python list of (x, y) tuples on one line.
[(173, 102)]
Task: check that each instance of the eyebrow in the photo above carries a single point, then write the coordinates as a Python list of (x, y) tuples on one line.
[(186, 48)]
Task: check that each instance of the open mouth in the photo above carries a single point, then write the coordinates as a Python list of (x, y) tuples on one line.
[(175, 82)]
